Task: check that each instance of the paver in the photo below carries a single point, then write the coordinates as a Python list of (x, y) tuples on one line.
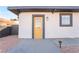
[(7, 42), (70, 49)]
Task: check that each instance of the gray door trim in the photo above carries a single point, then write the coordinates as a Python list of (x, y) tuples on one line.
[(37, 15)]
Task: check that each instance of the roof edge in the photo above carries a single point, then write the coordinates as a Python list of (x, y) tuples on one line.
[(18, 9)]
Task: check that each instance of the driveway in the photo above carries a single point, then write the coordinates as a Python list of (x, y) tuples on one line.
[(11, 44)]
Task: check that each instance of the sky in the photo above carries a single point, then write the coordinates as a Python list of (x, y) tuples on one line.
[(5, 13)]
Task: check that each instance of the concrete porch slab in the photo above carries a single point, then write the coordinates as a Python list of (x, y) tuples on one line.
[(34, 46)]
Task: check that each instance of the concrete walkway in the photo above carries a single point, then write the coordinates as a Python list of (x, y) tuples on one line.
[(46, 46), (11, 44), (35, 46)]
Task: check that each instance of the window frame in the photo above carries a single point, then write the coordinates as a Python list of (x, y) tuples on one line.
[(63, 25)]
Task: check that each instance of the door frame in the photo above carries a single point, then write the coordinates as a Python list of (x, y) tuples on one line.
[(38, 15)]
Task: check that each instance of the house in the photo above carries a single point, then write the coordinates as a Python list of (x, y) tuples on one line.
[(47, 22), (6, 22), (8, 27)]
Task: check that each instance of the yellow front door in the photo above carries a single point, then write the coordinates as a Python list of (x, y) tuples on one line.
[(38, 27)]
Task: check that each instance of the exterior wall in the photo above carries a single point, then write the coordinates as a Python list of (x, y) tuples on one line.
[(25, 26), (52, 27)]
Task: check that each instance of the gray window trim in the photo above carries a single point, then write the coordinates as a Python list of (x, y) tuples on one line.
[(70, 25)]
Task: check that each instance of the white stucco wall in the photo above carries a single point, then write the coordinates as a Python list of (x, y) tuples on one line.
[(25, 26), (52, 28)]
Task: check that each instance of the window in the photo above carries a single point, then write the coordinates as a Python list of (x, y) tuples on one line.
[(65, 20)]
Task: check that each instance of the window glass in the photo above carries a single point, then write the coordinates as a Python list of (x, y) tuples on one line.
[(65, 19)]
